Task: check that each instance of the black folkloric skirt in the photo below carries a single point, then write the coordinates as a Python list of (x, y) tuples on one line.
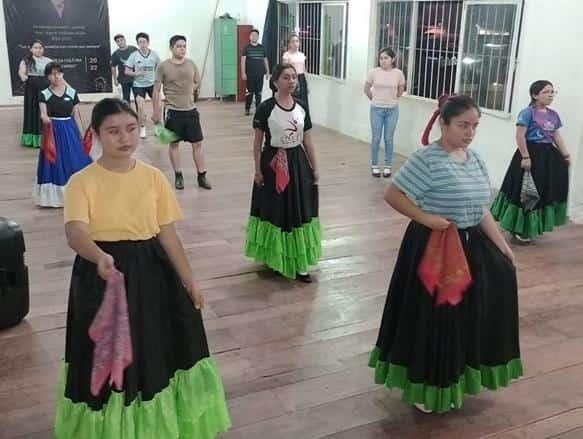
[(172, 389), (551, 177), (32, 125), (284, 229), (437, 354)]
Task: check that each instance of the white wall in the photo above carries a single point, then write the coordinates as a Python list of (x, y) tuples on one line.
[(549, 49), (161, 20)]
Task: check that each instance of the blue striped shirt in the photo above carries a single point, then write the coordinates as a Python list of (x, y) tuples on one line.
[(441, 186)]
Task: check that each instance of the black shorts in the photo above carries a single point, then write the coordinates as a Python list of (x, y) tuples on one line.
[(143, 91), (186, 124)]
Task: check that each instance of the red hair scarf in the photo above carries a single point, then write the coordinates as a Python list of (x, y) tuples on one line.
[(440, 103)]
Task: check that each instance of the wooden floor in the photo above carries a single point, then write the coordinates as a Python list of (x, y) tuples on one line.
[(294, 356)]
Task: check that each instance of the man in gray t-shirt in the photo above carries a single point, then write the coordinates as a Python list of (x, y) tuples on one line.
[(141, 65)]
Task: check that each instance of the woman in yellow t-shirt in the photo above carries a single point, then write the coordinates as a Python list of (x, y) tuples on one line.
[(120, 215)]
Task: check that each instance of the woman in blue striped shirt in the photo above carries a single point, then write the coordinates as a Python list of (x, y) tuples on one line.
[(436, 353)]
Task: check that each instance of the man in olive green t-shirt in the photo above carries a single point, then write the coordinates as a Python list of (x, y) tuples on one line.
[(181, 79)]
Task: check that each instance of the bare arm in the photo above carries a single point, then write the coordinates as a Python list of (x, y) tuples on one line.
[(402, 204), (311, 152), (173, 246), (197, 79), (130, 72), (243, 62), (266, 63), (157, 102), (79, 239), (368, 89), (257, 144), (22, 71), (400, 90), (44, 115), (77, 117), (521, 140), (490, 228), (114, 75), (561, 144)]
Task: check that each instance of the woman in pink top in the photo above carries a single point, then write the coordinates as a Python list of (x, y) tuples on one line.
[(297, 59), (384, 86)]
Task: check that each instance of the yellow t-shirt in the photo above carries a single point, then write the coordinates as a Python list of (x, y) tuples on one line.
[(121, 206)]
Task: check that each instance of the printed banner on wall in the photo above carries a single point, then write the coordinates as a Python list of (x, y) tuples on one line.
[(75, 34)]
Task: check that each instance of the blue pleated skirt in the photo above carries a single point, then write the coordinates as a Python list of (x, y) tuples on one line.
[(52, 177)]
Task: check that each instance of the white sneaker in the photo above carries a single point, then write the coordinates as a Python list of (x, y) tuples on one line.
[(422, 408), (376, 171), (143, 132), (387, 172), (522, 240)]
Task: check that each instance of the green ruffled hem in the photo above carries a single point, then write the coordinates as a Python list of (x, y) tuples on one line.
[(192, 406), (31, 140), (513, 219), (288, 253), (443, 399)]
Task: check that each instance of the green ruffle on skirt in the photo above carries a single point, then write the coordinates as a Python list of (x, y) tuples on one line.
[(443, 399), (192, 406), (513, 219), (31, 140), (289, 253)]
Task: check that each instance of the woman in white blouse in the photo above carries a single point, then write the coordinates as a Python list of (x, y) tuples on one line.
[(297, 59)]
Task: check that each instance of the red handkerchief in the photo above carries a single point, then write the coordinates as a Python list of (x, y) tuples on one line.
[(280, 167), (48, 145), (444, 267)]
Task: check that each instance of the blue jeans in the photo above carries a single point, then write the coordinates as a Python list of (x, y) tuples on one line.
[(383, 119)]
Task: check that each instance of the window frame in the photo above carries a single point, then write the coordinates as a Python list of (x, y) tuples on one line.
[(513, 53), (323, 5)]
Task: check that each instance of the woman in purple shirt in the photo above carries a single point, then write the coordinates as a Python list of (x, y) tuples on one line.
[(542, 151)]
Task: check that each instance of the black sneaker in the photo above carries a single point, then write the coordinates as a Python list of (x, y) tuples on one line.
[(203, 182), (179, 181), (247, 112), (305, 278)]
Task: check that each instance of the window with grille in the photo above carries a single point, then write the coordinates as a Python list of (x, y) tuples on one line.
[(322, 28), (286, 18), (310, 33), (454, 46)]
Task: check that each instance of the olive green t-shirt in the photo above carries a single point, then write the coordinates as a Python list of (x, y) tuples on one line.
[(180, 81)]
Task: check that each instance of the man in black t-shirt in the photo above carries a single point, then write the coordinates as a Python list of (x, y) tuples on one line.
[(118, 60), (254, 66)]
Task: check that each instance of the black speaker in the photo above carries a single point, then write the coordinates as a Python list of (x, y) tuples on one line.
[(14, 289)]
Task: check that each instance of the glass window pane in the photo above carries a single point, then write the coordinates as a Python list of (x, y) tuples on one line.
[(438, 24), (310, 28), (334, 41), (287, 23), (394, 30), (487, 53)]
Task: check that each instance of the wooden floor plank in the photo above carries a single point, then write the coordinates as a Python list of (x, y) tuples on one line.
[(293, 356)]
